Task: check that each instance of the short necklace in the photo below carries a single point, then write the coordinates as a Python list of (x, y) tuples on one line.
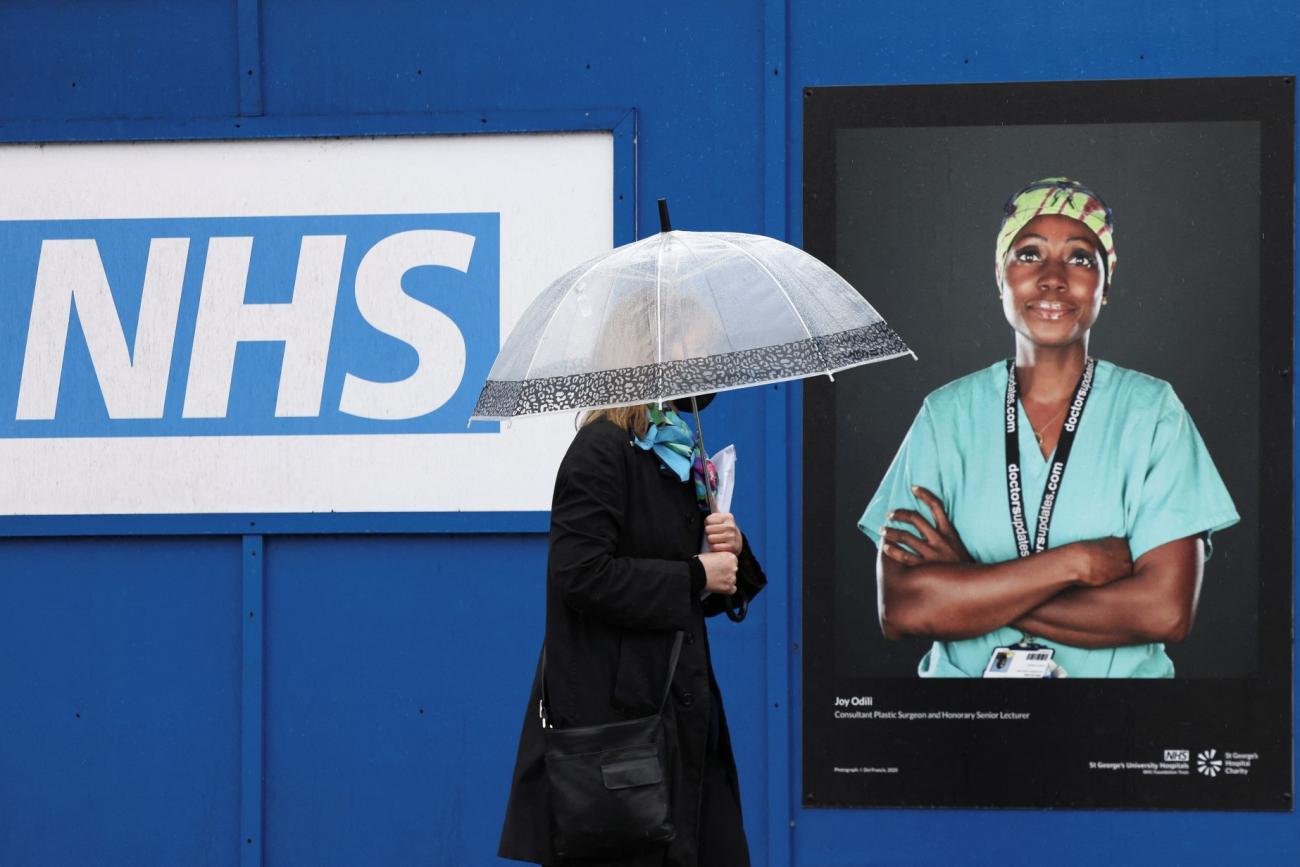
[(1038, 432)]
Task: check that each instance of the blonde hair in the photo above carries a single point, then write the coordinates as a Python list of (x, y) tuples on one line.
[(633, 419)]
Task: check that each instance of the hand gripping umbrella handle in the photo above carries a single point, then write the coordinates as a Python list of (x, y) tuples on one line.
[(736, 609)]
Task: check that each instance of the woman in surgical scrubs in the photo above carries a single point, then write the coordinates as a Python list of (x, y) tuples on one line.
[(1048, 516)]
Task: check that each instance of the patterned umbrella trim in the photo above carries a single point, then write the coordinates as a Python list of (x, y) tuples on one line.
[(502, 399)]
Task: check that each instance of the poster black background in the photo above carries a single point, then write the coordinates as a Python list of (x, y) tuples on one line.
[(903, 194)]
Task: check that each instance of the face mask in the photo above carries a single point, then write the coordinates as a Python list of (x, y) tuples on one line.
[(701, 400)]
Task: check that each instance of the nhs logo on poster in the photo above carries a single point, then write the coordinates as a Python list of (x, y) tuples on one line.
[(247, 326)]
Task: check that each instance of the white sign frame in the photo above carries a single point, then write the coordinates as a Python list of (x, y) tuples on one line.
[(536, 181)]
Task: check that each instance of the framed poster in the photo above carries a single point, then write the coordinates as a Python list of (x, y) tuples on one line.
[(905, 193)]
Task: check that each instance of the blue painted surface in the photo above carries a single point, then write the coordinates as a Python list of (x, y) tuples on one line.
[(392, 696), (364, 628), (252, 678), (65, 60), (119, 715), (292, 524), (249, 68)]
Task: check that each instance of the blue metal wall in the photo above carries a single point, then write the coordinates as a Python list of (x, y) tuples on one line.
[(348, 691)]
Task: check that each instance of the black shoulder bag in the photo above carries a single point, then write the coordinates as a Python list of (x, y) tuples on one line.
[(609, 783)]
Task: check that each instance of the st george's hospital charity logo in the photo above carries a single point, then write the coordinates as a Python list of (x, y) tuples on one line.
[(1208, 763)]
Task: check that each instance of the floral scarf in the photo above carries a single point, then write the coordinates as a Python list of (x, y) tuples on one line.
[(673, 442)]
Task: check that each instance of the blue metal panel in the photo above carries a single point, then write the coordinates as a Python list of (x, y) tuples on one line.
[(250, 57), (119, 721), (251, 767), (197, 127), (117, 58), (888, 43), (777, 463), (291, 524), (889, 837), (691, 70), (397, 671)]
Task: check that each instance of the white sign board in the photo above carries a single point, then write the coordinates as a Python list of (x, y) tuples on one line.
[(281, 326)]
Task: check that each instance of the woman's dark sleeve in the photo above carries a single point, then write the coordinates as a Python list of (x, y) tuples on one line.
[(750, 580), (587, 516)]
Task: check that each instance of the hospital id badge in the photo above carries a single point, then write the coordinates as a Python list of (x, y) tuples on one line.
[(1033, 661)]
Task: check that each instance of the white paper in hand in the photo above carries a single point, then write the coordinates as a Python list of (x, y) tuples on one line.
[(724, 461)]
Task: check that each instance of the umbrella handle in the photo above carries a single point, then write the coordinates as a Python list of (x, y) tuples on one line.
[(736, 611), (710, 495)]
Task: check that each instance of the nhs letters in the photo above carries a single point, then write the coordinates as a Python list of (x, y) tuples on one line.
[(246, 325)]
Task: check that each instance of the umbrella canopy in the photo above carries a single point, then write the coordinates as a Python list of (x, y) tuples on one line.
[(682, 313)]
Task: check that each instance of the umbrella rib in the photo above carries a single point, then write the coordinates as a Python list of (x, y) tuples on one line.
[(780, 289), (659, 321), (713, 295), (532, 359)]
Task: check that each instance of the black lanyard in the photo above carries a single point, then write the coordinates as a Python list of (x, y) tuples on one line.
[(1014, 496)]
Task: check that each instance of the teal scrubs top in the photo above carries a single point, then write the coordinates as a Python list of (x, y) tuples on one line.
[(1138, 469)]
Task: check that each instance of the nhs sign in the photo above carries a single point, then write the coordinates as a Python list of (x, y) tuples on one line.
[(253, 325), (281, 325)]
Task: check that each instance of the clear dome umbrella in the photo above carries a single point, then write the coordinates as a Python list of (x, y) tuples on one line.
[(680, 314), (677, 314)]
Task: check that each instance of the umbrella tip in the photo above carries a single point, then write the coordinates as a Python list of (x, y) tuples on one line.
[(665, 224)]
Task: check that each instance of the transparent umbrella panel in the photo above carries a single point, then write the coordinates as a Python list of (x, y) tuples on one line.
[(682, 313)]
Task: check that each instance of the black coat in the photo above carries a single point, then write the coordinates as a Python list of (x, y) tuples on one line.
[(618, 588)]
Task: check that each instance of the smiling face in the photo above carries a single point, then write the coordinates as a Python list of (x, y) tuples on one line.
[(1053, 281)]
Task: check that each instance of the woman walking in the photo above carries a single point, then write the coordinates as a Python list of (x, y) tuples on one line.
[(624, 576)]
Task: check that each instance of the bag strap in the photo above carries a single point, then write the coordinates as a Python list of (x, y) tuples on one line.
[(544, 704), (672, 669)]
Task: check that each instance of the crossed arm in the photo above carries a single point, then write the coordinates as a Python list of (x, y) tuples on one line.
[(1086, 594)]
